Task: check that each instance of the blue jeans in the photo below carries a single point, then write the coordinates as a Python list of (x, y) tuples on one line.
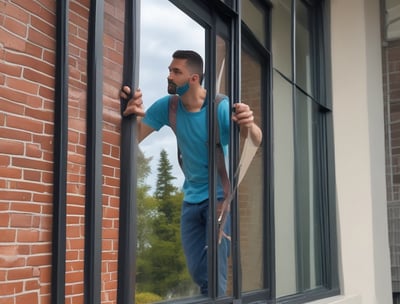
[(194, 232)]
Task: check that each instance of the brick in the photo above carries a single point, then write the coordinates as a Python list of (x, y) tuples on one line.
[(76, 299), (11, 288), (29, 236), (42, 26), (30, 88), (45, 273), (48, 92), (49, 56), (29, 61), (34, 51), (31, 163), (74, 266), (14, 173), (80, 9), (41, 248), (32, 175), (28, 186), (10, 70), (43, 198), (7, 300), (25, 123), (12, 41), (26, 207), (74, 277), (16, 12), (21, 220), (11, 147), (31, 298), (39, 260), (4, 219), (15, 26), (45, 141), (11, 262), (32, 285), (19, 273), (7, 235), (46, 222), (37, 77), (16, 134), (15, 195)]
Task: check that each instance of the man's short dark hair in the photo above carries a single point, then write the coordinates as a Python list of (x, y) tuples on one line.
[(194, 61)]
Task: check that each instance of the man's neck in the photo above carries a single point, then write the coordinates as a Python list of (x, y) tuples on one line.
[(193, 100)]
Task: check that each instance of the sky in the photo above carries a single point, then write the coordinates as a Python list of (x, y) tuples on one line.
[(164, 29)]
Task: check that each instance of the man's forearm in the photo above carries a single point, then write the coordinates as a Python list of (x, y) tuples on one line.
[(254, 132)]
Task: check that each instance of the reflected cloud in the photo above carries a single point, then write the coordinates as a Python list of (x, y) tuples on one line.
[(164, 29)]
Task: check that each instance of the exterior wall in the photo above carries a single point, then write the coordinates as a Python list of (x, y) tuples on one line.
[(27, 59), (359, 150), (27, 56)]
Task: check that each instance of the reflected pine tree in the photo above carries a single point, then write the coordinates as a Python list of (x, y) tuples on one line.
[(161, 267)]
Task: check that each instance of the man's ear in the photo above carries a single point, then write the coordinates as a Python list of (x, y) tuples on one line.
[(195, 78)]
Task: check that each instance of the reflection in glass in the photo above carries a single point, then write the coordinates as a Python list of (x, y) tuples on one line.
[(252, 187), (303, 48), (161, 266), (281, 36), (222, 67), (222, 87), (284, 190), (255, 18), (307, 207), (298, 231)]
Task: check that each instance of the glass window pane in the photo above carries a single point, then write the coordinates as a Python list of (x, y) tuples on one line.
[(221, 77), (252, 187), (228, 2), (284, 191), (303, 48), (281, 36), (307, 205), (222, 57), (161, 265), (255, 18)]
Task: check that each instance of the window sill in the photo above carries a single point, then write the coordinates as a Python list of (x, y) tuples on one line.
[(354, 299)]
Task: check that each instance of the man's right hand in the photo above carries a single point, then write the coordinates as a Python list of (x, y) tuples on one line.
[(135, 103)]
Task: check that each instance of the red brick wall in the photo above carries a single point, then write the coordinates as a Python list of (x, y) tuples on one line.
[(27, 58), (27, 43)]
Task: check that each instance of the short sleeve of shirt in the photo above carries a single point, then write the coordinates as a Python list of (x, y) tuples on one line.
[(157, 115), (224, 120)]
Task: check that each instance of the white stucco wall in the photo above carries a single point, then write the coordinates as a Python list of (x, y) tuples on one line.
[(359, 152)]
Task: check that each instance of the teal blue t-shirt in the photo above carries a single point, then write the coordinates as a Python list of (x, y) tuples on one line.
[(192, 138)]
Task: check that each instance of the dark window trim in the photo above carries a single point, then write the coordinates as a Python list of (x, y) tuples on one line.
[(252, 45), (60, 155), (94, 155), (128, 164), (326, 175), (202, 14)]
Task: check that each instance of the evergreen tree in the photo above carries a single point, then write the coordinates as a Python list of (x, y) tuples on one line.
[(162, 267), (164, 187), (146, 205)]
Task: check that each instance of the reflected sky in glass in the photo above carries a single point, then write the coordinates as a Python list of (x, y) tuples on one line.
[(164, 29)]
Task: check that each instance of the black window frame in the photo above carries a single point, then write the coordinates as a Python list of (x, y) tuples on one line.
[(321, 97), (209, 14)]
